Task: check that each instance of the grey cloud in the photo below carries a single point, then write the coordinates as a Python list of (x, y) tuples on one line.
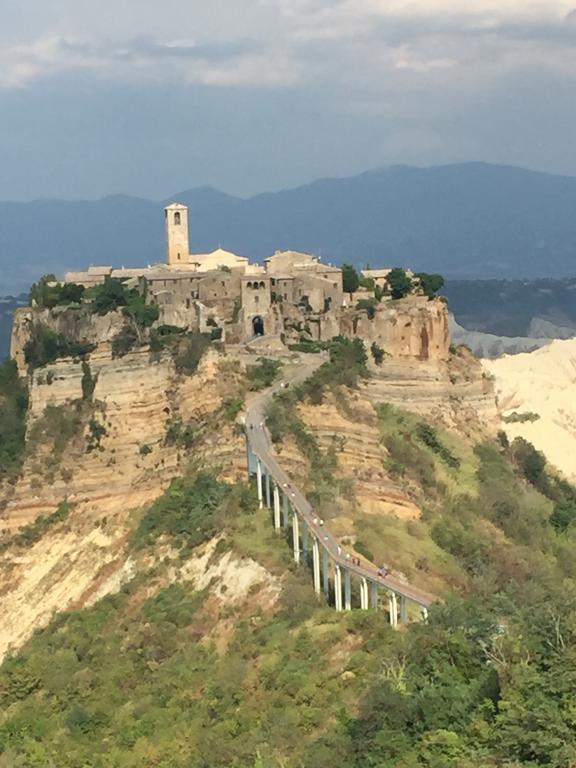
[(145, 48)]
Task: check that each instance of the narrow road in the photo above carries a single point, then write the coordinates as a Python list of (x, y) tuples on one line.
[(259, 441)]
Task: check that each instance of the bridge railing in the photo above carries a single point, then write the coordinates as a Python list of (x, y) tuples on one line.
[(313, 545)]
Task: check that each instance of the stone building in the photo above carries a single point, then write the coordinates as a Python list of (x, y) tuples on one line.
[(244, 299)]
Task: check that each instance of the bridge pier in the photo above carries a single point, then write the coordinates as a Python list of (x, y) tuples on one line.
[(296, 537), (374, 594), (337, 587), (403, 610), (347, 591), (424, 613), (316, 564), (393, 609), (268, 498), (285, 511), (305, 540), (325, 579), (364, 595), (276, 507), (259, 483)]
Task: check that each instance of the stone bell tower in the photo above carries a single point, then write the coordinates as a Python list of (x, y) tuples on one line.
[(177, 241)]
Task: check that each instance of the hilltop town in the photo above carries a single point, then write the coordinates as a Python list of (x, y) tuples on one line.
[(291, 298)]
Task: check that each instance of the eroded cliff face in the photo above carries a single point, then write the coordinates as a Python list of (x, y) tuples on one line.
[(114, 451), (456, 392), (77, 324), (99, 437), (106, 473), (413, 328)]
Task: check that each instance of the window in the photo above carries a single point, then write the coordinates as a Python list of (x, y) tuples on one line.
[(187, 303), (177, 217), (256, 299)]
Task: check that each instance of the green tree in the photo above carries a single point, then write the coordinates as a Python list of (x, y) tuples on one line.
[(377, 353), (350, 278), (430, 283), (399, 283), (48, 292), (109, 296), (13, 407)]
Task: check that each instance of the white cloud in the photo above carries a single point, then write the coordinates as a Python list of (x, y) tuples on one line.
[(285, 42)]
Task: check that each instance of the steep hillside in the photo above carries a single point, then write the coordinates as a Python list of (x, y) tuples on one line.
[(211, 648), (472, 220)]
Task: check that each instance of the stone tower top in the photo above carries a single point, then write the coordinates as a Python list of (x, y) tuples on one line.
[(177, 241)]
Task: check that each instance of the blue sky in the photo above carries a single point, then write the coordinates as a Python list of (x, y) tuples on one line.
[(150, 98)]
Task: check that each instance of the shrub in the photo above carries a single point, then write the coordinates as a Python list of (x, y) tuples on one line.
[(232, 407), (124, 341), (188, 352), (262, 375), (377, 353), (428, 435), (191, 511), (88, 382), (364, 550), (369, 306), (179, 434), (48, 293), (520, 418), (45, 346), (13, 408), (96, 432), (32, 533)]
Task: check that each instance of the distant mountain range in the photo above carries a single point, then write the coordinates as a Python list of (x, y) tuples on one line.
[(466, 221)]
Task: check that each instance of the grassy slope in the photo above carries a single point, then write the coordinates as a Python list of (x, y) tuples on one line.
[(138, 680)]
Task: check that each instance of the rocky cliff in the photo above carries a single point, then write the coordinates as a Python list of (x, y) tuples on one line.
[(109, 434), (413, 328), (107, 456)]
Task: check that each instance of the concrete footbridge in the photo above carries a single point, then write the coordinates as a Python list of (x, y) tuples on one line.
[(342, 577)]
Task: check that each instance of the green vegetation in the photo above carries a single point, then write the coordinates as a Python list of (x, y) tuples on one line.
[(45, 346), (96, 432), (377, 353), (124, 341), (399, 284), (347, 366), (48, 293), (88, 382), (30, 534), (109, 296), (520, 418), (57, 426), (232, 407), (309, 346), (180, 434), (190, 512), (430, 284), (350, 278), (429, 436), (13, 408), (167, 676), (262, 375), (368, 306)]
